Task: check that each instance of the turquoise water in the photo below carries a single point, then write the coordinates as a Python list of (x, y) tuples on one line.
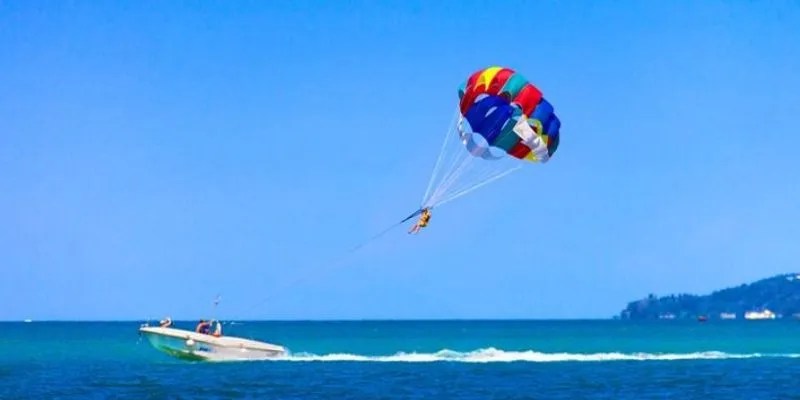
[(416, 359)]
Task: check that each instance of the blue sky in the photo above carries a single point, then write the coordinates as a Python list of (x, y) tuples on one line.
[(155, 154)]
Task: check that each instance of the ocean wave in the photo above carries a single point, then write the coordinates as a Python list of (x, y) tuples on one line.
[(489, 355)]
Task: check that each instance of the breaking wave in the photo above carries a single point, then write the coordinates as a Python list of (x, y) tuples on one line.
[(490, 355)]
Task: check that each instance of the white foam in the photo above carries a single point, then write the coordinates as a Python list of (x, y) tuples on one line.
[(489, 355)]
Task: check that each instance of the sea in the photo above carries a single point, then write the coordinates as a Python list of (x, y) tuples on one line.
[(599, 359)]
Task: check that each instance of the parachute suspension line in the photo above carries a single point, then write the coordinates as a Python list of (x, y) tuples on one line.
[(459, 167), (444, 181), (326, 267), (442, 153), (451, 155), (476, 186), (485, 172), (458, 172), (482, 171), (460, 161)]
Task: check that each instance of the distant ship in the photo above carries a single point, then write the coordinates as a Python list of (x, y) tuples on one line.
[(766, 314)]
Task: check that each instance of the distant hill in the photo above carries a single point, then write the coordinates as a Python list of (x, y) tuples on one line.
[(779, 294)]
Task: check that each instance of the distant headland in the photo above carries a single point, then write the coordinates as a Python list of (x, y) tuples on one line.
[(770, 298)]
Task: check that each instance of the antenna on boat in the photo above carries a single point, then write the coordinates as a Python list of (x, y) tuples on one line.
[(214, 307), (216, 303), (218, 329)]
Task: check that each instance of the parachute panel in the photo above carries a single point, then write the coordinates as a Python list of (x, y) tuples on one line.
[(553, 134), (488, 116), (498, 81), (528, 98), (479, 148), (513, 87)]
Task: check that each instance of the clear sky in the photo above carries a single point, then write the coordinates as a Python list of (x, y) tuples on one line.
[(155, 154)]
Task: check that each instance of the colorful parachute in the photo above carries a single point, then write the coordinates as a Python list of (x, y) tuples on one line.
[(501, 114), (509, 113)]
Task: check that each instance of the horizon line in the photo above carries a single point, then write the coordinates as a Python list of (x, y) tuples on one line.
[(489, 319)]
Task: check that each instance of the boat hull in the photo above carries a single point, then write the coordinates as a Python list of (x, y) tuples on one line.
[(193, 346)]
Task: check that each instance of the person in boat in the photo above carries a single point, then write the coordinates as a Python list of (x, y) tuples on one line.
[(203, 327), (424, 218), (166, 322), (218, 329)]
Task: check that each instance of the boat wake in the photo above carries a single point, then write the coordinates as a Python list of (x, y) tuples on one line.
[(490, 355)]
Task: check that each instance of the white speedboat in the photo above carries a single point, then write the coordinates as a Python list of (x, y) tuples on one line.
[(189, 345)]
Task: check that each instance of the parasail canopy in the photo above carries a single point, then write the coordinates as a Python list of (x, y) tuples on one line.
[(502, 119)]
